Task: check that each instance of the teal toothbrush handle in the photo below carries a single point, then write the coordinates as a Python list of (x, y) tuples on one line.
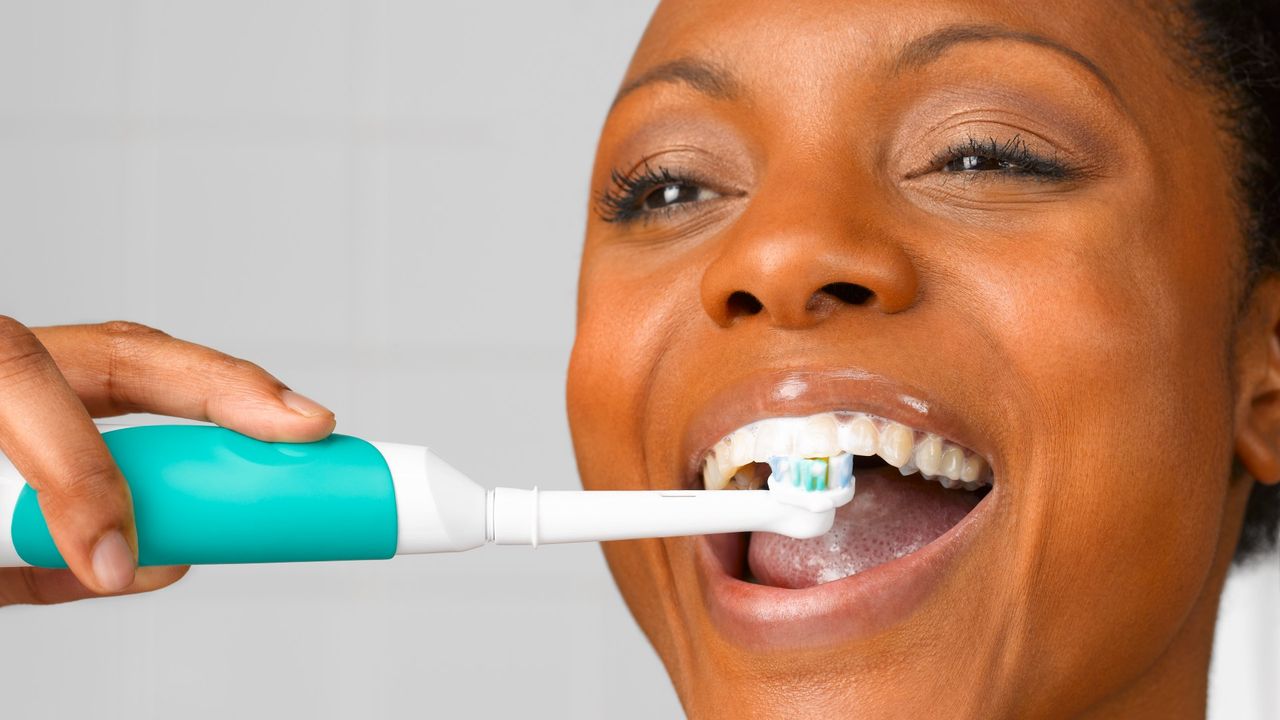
[(207, 495)]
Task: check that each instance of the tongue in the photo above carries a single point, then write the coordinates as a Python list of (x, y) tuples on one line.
[(889, 516)]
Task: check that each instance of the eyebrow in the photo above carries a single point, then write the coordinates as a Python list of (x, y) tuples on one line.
[(925, 49), (718, 83), (701, 75)]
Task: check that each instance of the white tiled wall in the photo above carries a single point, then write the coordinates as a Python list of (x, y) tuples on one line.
[(382, 202)]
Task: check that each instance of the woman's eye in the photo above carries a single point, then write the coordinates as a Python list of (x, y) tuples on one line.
[(1008, 158), (675, 194), (651, 193), (977, 163)]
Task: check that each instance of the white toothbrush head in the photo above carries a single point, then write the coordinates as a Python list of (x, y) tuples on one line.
[(815, 484)]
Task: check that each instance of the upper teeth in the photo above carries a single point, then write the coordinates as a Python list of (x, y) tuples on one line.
[(830, 433)]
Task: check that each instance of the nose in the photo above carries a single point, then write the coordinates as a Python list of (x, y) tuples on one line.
[(797, 269)]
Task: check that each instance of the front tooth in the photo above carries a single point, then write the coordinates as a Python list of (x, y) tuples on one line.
[(741, 445), (973, 466), (929, 455), (817, 437), (895, 444), (772, 439), (859, 436), (726, 466), (711, 478), (952, 462)]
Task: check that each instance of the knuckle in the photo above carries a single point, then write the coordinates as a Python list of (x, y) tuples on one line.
[(128, 330), (20, 351), (234, 370), (10, 327), (87, 481), (125, 339), (224, 364), (127, 343)]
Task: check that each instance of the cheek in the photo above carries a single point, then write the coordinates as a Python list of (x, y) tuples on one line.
[(1120, 365), (624, 323)]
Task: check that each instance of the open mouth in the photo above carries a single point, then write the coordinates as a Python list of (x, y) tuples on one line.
[(912, 487)]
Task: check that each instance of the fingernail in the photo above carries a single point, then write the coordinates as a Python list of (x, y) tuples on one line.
[(303, 405), (113, 563)]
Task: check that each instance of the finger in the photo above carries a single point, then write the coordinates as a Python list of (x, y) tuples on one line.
[(40, 586), (46, 433), (120, 367)]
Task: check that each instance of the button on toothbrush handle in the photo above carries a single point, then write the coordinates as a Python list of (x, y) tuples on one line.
[(207, 495)]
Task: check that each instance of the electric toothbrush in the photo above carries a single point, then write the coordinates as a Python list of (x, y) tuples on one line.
[(207, 495)]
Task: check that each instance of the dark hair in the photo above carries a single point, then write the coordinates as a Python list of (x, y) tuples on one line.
[(1234, 47)]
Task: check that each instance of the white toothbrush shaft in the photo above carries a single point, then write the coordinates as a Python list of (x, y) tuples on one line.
[(531, 517)]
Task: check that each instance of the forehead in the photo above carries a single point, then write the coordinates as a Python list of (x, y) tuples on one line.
[(1090, 21), (812, 43)]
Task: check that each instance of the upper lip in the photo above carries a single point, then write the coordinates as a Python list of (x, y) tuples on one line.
[(796, 392)]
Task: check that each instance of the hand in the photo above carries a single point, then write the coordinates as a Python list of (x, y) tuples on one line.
[(54, 380)]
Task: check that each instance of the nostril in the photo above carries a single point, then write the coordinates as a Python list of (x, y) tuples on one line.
[(743, 303), (848, 292)]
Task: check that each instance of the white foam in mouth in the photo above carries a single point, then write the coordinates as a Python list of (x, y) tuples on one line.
[(830, 433)]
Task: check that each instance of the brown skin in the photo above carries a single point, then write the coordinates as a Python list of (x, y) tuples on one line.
[(1086, 327), (54, 380)]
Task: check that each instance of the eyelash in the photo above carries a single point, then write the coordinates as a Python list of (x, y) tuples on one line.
[(621, 203), (1013, 157)]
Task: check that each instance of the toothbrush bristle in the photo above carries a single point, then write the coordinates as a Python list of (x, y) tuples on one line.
[(840, 473), (817, 474), (812, 474), (822, 483)]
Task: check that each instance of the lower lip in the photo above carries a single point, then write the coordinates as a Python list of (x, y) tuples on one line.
[(760, 617)]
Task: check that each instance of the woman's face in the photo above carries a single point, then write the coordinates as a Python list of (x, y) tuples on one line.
[(1004, 225)]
